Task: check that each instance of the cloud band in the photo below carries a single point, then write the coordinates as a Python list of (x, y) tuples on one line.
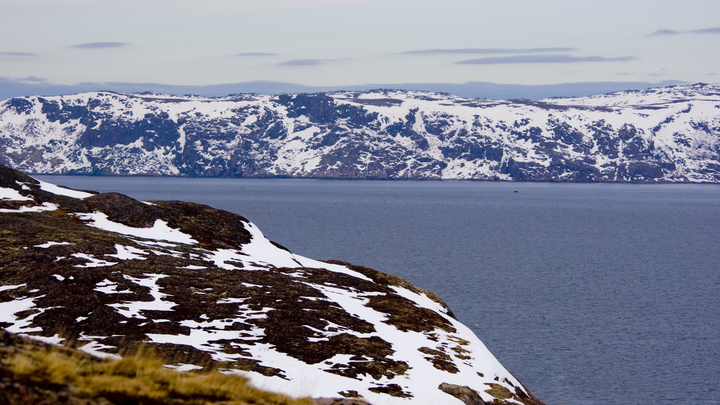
[(523, 59), (100, 45), (484, 51)]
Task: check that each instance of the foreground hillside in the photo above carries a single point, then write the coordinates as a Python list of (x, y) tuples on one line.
[(204, 289), (667, 134)]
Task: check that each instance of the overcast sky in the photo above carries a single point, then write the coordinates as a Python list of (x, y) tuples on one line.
[(357, 42)]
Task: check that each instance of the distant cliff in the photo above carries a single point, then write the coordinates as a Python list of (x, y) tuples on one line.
[(669, 134)]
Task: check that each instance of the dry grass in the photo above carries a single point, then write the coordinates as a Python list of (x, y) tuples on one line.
[(138, 379)]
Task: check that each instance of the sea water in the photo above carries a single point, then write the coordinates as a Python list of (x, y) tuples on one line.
[(588, 293)]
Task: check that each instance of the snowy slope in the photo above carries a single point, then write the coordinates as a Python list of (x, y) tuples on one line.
[(665, 134), (205, 288)]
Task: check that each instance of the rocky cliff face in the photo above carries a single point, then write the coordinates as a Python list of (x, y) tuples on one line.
[(668, 134), (203, 288)]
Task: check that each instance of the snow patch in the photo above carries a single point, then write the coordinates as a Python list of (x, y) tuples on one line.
[(51, 243), (261, 250), (57, 190), (38, 208), (108, 287), (128, 253), (10, 194), (131, 309), (159, 231), (8, 310), (11, 287), (94, 348), (92, 261)]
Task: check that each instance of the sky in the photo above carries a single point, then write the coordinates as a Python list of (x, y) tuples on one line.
[(65, 45)]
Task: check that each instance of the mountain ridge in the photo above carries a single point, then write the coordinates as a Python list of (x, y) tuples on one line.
[(10, 88), (669, 134)]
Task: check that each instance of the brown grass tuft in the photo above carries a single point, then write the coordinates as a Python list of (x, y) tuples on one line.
[(136, 379)]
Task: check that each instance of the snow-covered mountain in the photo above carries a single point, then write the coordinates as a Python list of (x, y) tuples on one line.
[(666, 134), (203, 288)]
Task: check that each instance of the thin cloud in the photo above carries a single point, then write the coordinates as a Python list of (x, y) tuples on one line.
[(256, 54), (714, 30), (663, 32), (18, 54), (662, 72), (523, 59), (101, 45), (303, 62), (483, 51)]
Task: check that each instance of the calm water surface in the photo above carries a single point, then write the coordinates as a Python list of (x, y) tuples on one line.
[(589, 294)]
